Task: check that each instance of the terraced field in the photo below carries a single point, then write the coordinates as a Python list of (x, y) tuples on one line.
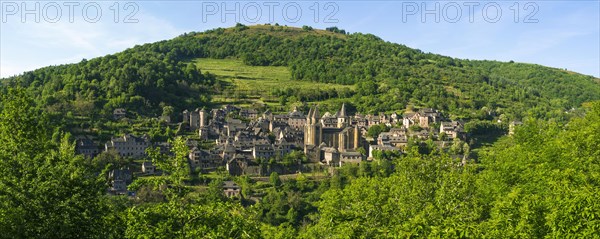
[(246, 85)]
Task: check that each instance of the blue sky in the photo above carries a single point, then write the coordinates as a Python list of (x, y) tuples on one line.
[(562, 34)]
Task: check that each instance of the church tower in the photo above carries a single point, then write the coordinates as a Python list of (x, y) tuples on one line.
[(312, 129), (342, 120), (203, 118), (308, 129), (317, 127)]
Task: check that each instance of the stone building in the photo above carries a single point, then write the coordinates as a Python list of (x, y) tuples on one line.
[(320, 132), (296, 119), (119, 179), (204, 160), (195, 119), (452, 129), (424, 118), (231, 189), (249, 113), (87, 147), (129, 146)]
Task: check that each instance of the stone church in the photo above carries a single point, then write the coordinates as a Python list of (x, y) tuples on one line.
[(329, 131)]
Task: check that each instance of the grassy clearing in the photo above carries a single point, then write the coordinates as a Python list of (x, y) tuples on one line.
[(245, 77), (255, 78), (251, 84)]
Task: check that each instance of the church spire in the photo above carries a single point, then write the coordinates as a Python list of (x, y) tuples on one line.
[(342, 113), (341, 117), (316, 114)]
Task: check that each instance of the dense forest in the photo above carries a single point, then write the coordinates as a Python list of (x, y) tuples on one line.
[(542, 181)]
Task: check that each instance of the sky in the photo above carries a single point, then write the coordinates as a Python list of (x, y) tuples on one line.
[(561, 34)]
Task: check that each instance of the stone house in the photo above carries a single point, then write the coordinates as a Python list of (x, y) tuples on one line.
[(350, 157), (424, 118), (87, 147), (395, 118), (129, 145), (452, 129), (409, 119), (296, 119), (373, 120), (249, 113), (204, 160), (264, 151), (231, 189), (394, 139), (119, 180), (428, 116)]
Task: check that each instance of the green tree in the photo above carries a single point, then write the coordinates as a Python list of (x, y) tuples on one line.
[(177, 219), (535, 183), (428, 196), (46, 191), (364, 169), (176, 166), (168, 111), (274, 179), (375, 130)]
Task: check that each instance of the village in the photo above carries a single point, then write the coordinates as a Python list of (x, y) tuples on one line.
[(247, 142)]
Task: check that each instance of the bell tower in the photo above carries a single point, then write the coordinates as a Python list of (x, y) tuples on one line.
[(342, 119), (312, 128), (308, 132)]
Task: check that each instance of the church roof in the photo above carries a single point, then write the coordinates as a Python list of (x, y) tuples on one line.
[(342, 112)]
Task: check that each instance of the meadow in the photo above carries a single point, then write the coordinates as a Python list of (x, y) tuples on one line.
[(247, 85)]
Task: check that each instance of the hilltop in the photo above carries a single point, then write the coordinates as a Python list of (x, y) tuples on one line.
[(360, 69)]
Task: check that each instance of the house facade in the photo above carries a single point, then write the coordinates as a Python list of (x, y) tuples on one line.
[(129, 145)]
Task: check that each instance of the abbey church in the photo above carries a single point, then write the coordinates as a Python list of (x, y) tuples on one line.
[(330, 134)]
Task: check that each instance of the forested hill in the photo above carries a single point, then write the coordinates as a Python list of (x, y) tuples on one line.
[(541, 181), (387, 76)]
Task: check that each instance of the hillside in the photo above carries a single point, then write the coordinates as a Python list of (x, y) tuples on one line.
[(541, 182), (384, 77), (187, 179)]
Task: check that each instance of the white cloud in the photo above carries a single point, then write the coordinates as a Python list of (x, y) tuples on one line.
[(33, 45)]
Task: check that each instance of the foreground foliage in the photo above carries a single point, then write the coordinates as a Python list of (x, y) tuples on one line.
[(540, 182), (46, 191)]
